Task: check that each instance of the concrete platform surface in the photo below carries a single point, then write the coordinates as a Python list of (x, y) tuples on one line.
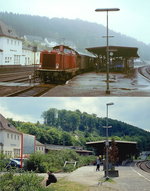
[(130, 179), (94, 84)]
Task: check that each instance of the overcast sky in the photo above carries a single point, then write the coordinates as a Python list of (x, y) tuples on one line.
[(132, 19), (132, 110)]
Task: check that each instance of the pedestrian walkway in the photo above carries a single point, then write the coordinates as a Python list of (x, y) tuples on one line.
[(130, 179)]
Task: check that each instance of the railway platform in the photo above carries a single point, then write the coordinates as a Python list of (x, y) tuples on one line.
[(94, 84), (131, 178)]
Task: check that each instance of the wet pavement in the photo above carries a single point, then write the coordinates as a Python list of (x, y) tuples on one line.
[(94, 84)]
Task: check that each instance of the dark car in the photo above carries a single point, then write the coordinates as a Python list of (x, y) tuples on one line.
[(13, 164)]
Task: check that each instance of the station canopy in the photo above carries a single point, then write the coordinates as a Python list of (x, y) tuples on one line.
[(126, 149), (118, 51)]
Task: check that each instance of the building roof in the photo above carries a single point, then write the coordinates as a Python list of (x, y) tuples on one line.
[(39, 144), (120, 142), (125, 148), (7, 31), (6, 125), (118, 51)]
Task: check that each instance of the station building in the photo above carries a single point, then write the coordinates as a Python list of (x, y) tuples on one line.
[(10, 139), (12, 51), (121, 57), (15, 144), (10, 46), (126, 149)]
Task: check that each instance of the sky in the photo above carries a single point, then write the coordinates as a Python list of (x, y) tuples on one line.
[(131, 110), (131, 20)]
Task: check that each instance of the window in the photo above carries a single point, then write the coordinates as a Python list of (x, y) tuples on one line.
[(11, 136), (6, 59), (7, 41), (8, 135), (16, 152), (15, 137), (16, 59)]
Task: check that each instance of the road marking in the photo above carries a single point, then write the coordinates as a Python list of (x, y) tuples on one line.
[(140, 174)]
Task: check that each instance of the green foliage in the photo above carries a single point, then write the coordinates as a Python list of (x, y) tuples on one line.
[(3, 161), (21, 182), (36, 163), (64, 127), (54, 161), (78, 33)]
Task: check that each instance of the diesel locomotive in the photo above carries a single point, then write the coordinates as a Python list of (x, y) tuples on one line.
[(62, 63)]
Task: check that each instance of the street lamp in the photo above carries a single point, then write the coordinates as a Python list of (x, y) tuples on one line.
[(107, 142), (107, 49)]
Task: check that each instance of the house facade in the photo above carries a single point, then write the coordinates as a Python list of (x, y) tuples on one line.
[(29, 57), (10, 139), (40, 147), (12, 51), (10, 46)]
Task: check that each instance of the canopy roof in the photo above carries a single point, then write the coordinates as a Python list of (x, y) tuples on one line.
[(125, 148), (118, 51)]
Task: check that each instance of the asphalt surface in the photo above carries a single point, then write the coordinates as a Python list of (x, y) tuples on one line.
[(94, 85), (130, 179)]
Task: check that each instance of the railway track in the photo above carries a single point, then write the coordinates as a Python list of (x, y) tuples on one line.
[(144, 165), (15, 77), (145, 72), (32, 91)]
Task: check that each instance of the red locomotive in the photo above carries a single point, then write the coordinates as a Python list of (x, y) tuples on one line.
[(61, 64)]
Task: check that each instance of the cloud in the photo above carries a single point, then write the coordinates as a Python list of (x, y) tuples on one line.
[(131, 110), (7, 113)]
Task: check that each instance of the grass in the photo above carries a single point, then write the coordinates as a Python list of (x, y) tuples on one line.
[(64, 185)]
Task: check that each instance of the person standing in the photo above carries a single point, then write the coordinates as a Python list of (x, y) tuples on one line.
[(98, 162)]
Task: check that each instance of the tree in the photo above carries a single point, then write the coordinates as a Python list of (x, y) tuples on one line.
[(50, 117), (113, 153)]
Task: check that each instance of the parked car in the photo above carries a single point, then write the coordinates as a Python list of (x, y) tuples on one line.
[(13, 164)]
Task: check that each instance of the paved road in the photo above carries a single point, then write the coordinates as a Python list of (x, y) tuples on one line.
[(130, 179), (94, 84)]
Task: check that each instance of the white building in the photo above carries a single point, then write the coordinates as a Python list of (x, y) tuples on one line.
[(12, 51), (40, 147), (29, 57), (10, 139), (10, 46)]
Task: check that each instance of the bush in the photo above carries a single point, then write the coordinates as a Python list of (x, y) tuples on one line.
[(3, 161), (54, 161), (36, 163), (86, 160), (22, 182)]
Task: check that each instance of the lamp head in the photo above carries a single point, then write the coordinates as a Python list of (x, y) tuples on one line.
[(107, 9), (110, 103)]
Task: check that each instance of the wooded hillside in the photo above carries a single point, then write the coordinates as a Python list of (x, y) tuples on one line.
[(75, 33), (76, 128)]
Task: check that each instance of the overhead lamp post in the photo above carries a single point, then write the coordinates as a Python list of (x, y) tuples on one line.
[(107, 141), (107, 44)]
